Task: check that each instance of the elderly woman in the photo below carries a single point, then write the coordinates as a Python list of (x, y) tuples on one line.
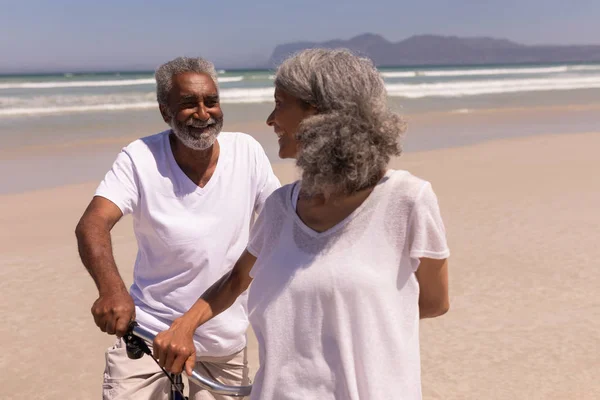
[(344, 262)]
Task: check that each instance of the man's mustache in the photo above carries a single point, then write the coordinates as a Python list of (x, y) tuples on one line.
[(201, 124)]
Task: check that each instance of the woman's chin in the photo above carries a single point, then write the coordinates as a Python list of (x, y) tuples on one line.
[(282, 154), (286, 149), (286, 153)]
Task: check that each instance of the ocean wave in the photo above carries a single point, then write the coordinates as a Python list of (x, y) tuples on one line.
[(66, 100), (107, 83), (262, 77), (490, 71), (65, 104), (76, 109), (230, 79), (473, 88), (250, 95), (399, 74)]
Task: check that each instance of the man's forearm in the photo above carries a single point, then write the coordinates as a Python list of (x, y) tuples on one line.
[(95, 250)]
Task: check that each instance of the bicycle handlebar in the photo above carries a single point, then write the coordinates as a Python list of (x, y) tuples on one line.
[(202, 381)]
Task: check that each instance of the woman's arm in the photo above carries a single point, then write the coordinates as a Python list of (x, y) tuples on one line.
[(175, 347), (432, 275)]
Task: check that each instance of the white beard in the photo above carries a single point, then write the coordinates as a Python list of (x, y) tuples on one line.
[(191, 140)]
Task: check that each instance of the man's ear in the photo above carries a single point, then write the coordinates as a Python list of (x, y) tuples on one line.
[(164, 111)]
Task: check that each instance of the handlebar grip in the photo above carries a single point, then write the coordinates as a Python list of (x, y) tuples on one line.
[(200, 380)]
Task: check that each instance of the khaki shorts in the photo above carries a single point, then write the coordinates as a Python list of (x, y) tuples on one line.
[(142, 379)]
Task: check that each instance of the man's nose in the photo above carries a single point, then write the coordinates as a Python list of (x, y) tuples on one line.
[(202, 112)]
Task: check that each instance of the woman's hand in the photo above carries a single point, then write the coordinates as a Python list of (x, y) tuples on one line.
[(175, 348)]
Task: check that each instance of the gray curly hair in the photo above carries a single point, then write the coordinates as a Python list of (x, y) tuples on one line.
[(344, 147), (165, 73)]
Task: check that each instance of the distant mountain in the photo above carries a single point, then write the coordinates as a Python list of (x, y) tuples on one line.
[(444, 50)]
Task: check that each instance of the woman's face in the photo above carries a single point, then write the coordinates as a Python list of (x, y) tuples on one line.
[(285, 119)]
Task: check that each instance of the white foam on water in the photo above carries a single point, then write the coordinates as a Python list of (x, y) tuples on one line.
[(50, 85), (250, 95), (261, 77), (107, 83), (64, 103), (496, 71), (230, 79), (584, 68), (473, 88), (490, 71), (398, 74), (76, 109)]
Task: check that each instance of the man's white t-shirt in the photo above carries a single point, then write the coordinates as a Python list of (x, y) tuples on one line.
[(187, 236), (336, 313)]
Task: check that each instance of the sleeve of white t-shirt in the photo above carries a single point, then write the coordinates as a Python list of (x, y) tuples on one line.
[(120, 184), (426, 232), (266, 179)]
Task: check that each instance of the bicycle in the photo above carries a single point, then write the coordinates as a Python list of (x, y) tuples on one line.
[(135, 341)]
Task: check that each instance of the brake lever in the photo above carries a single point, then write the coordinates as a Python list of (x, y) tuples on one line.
[(136, 346)]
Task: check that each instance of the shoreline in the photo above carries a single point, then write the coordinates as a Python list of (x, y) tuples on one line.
[(48, 164)]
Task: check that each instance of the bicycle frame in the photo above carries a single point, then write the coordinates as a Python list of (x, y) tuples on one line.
[(196, 378)]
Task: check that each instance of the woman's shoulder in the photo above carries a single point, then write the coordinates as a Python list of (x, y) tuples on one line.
[(282, 196), (404, 190), (405, 183)]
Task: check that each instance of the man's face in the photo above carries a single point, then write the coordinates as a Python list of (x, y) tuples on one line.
[(194, 112)]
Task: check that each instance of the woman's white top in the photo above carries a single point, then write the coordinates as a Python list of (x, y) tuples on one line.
[(336, 313)]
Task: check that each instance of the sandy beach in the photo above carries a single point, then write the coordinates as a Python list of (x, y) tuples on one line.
[(522, 216)]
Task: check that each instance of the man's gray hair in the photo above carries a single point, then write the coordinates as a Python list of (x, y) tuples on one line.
[(344, 147), (165, 73)]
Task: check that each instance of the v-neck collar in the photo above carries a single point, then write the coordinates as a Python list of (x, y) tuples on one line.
[(293, 200), (188, 186)]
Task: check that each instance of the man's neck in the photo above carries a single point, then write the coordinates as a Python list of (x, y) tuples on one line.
[(198, 165)]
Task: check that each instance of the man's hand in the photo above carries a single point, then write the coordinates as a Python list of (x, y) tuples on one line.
[(175, 347), (113, 311)]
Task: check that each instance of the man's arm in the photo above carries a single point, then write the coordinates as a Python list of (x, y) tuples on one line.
[(432, 275), (114, 308)]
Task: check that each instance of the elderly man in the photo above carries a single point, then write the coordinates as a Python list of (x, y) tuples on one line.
[(193, 192)]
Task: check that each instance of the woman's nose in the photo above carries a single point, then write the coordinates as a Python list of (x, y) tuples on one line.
[(270, 119)]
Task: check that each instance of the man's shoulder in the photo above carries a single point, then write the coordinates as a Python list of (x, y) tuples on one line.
[(243, 148), (238, 139), (147, 144)]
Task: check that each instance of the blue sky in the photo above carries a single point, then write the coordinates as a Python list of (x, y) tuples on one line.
[(110, 34)]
